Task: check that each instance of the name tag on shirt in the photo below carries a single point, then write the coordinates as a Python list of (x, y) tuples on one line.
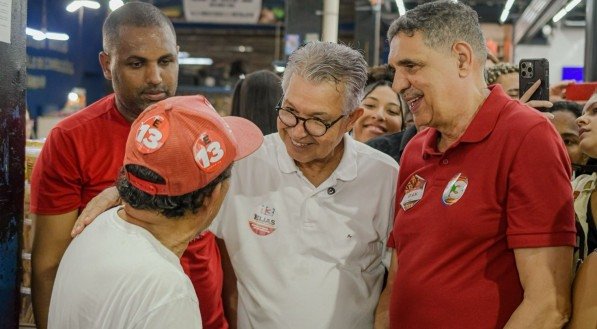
[(413, 192)]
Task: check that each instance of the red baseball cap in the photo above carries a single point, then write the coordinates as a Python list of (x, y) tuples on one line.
[(184, 140)]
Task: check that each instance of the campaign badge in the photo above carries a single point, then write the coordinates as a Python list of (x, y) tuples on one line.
[(263, 221), (152, 134), (455, 189), (413, 192)]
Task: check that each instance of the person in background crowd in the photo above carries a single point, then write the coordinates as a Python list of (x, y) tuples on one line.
[(254, 98), (124, 270), (383, 109), (84, 152), (585, 206), (506, 75), (307, 249), (484, 230), (585, 202), (565, 114)]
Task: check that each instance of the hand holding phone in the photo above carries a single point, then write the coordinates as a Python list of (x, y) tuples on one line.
[(531, 71)]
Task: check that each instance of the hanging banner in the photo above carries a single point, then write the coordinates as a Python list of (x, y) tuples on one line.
[(222, 11)]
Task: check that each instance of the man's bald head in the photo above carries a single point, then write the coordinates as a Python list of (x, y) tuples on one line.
[(135, 14)]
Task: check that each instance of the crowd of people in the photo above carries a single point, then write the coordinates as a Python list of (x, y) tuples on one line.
[(488, 221)]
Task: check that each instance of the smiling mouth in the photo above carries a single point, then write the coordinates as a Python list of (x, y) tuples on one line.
[(297, 144), (413, 103), (376, 129)]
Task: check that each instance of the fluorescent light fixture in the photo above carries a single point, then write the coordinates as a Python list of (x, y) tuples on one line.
[(565, 10), (279, 69), (77, 4), (35, 34), (195, 61), (57, 36), (115, 4), (506, 11), (401, 8), (41, 35)]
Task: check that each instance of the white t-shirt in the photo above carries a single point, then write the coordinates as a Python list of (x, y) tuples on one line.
[(117, 275), (304, 256)]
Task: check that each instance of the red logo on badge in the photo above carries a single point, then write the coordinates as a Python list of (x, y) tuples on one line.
[(209, 151), (152, 134), (264, 220)]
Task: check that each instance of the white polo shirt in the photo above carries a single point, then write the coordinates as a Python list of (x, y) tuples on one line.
[(304, 256)]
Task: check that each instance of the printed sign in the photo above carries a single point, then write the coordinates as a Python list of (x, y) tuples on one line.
[(222, 11)]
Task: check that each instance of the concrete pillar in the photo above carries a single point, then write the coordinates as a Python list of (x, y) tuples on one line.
[(12, 157), (331, 10), (367, 25)]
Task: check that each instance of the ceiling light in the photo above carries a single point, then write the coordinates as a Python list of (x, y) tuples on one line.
[(77, 4), (35, 34), (41, 35), (115, 4), (401, 8), (73, 96), (565, 10), (195, 61), (506, 11)]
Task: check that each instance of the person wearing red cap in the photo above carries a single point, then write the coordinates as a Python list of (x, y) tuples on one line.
[(123, 271), (307, 216), (84, 152)]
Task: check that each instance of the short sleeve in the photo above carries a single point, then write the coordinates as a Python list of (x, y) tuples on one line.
[(539, 203), (56, 179)]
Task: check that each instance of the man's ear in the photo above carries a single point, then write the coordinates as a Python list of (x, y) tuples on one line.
[(211, 203), (465, 57), (353, 117), (104, 60)]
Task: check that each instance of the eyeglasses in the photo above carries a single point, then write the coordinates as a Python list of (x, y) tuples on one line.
[(313, 126)]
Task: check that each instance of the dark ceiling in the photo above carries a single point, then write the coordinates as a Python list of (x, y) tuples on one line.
[(490, 10)]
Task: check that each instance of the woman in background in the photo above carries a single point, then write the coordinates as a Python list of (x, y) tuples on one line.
[(255, 98), (384, 108), (584, 299)]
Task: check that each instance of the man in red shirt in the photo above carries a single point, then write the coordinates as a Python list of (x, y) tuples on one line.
[(84, 153), (484, 230)]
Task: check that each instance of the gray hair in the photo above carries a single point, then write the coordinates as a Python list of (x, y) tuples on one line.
[(137, 14), (443, 23), (330, 62)]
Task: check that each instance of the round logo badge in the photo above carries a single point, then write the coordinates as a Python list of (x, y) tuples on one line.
[(263, 221), (455, 189), (209, 150), (152, 134)]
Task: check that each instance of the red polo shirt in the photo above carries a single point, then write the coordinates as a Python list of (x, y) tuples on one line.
[(504, 185)]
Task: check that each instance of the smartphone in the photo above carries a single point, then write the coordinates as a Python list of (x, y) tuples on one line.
[(531, 70), (580, 91)]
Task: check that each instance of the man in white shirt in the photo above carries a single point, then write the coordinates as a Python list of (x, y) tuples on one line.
[(124, 270), (307, 217)]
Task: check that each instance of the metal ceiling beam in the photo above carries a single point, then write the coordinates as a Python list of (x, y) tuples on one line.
[(534, 17)]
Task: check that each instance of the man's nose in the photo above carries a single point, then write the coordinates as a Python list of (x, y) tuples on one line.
[(154, 74)]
